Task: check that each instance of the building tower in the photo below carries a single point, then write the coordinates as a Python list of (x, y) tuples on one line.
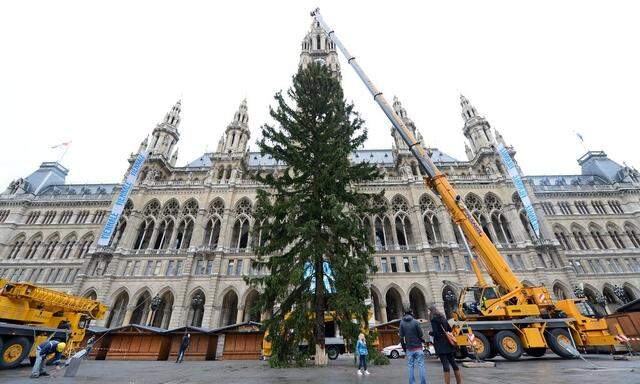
[(165, 135), (237, 133), (476, 129), (399, 144), (316, 47)]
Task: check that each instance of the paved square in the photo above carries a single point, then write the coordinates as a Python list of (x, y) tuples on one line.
[(549, 370)]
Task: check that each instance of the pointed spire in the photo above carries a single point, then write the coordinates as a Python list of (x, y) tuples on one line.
[(468, 151), (468, 110), (499, 137), (398, 108), (173, 116), (242, 117)]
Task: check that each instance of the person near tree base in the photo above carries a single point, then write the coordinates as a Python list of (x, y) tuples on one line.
[(444, 349), (411, 340), (186, 339), (44, 349)]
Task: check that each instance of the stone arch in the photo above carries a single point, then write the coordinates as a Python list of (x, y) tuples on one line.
[(90, 293), (473, 202), (399, 203), (631, 291), (633, 233), (141, 310), (171, 207), (243, 206), (249, 302), (196, 303), (418, 302), (394, 300), (16, 245), (561, 291), (229, 307), (190, 208), (161, 317), (492, 202), (614, 232), (376, 304), (118, 309), (580, 236), (594, 297), (152, 208)]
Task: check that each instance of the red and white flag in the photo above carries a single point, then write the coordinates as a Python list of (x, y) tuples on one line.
[(65, 144)]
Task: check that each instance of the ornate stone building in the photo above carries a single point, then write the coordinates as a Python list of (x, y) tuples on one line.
[(184, 242)]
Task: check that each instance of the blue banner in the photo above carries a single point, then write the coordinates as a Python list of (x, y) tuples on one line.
[(118, 206), (522, 192)]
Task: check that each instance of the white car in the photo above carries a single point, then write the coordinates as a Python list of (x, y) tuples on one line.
[(395, 351)]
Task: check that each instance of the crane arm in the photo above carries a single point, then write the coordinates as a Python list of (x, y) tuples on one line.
[(496, 266)]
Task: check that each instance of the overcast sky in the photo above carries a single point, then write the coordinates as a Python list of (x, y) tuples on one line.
[(102, 74)]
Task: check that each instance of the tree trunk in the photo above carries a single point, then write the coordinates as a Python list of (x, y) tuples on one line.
[(321, 354)]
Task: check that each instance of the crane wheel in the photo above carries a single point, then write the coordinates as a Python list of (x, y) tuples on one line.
[(556, 339), (14, 351), (482, 346), (508, 345), (535, 352)]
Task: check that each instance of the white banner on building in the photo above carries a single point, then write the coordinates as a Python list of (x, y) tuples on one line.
[(522, 192), (118, 206)]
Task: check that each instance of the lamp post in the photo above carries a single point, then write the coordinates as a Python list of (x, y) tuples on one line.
[(155, 303)]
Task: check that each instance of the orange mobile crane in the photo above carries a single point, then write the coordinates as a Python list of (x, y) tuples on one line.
[(508, 318), (30, 315)]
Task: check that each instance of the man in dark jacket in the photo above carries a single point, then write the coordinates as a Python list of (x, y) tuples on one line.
[(186, 339), (411, 340), (44, 349)]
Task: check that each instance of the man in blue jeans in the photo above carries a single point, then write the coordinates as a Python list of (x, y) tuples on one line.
[(411, 340)]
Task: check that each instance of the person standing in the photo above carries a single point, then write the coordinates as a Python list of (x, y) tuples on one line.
[(362, 351), (42, 351), (411, 340), (444, 349), (186, 339)]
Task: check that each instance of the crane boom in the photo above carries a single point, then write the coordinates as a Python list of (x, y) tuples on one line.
[(496, 266)]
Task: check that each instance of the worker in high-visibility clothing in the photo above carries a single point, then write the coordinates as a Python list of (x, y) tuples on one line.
[(43, 350)]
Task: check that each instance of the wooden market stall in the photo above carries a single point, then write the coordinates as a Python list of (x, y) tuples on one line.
[(388, 333), (131, 342), (628, 318), (242, 341), (202, 346)]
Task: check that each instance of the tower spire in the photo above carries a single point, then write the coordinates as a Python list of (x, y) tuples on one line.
[(237, 133), (173, 116), (468, 110), (165, 134), (316, 47)]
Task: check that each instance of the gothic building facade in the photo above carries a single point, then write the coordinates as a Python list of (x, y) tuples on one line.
[(184, 242)]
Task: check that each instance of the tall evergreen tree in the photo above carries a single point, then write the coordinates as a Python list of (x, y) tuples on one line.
[(316, 250)]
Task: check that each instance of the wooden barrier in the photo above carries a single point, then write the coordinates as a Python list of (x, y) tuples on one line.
[(202, 346)]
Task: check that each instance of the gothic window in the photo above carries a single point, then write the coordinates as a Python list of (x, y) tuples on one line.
[(599, 207), (185, 231), (548, 208), (399, 203), (145, 231), (403, 231), (50, 246), (162, 314), (527, 225), (596, 235), (432, 227), (615, 206), (171, 208), (152, 208), (3, 215), (118, 232), (427, 204), (212, 232), (473, 202), (118, 311), (492, 202), (484, 223), (259, 237), (67, 246), (383, 232), (84, 245), (190, 208), (579, 237), (32, 246), (165, 230), (614, 233), (565, 208), (243, 207), (196, 309), (32, 218), (81, 218), (240, 235), (216, 208), (582, 207), (562, 237), (633, 234)]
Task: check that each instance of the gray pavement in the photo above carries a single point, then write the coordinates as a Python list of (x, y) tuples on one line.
[(548, 369)]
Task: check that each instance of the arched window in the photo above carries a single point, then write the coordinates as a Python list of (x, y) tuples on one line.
[(403, 231), (399, 204), (560, 292), (633, 234), (165, 230), (240, 235), (84, 244), (162, 314), (118, 310), (562, 237), (250, 312), (596, 235), (229, 312), (473, 202), (152, 209), (215, 212), (32, 246), (580, 237), (430, 220), (383, 232), (67, 246), (16, 246), (614, 234), (118, 232), (142, 308), (196, 309), (418, 303), (145, 231), (50, 246), (190, 208), (394, 304), (185, 231)]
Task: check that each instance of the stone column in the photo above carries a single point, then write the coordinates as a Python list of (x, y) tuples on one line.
[(198, 228), (129, 237), (383, 313), (514, 222), (240, 315)]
